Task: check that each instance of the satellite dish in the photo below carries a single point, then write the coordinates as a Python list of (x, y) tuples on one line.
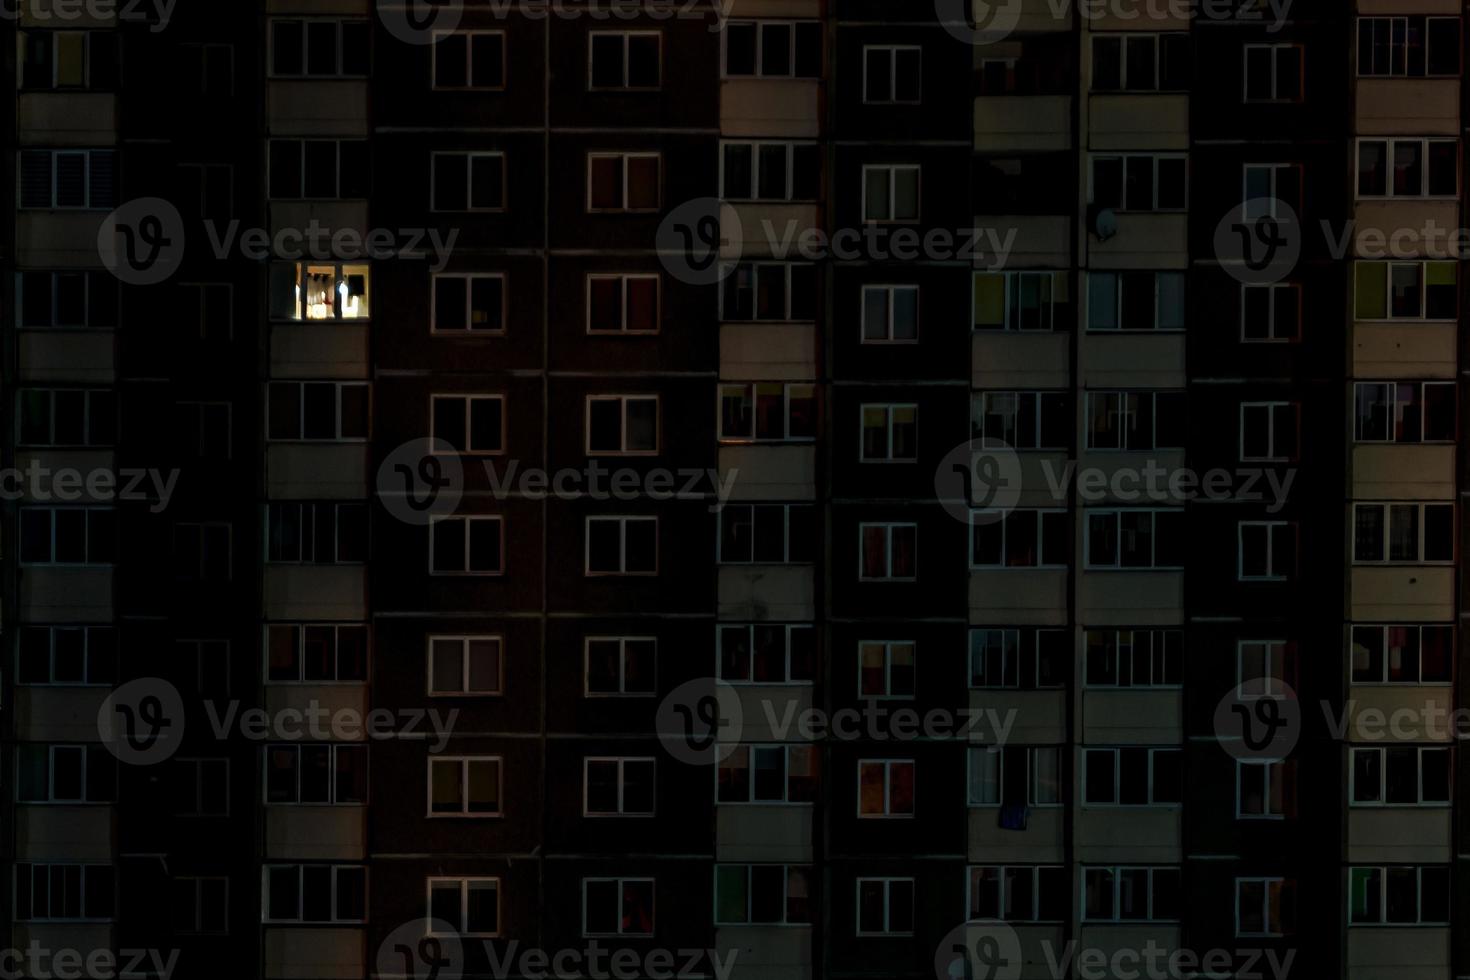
[(1104, 224)]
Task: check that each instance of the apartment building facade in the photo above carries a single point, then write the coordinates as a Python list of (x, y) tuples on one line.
[(533, 379)]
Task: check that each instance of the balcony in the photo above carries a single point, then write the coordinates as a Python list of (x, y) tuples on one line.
[(315, 833), (66, 119), (1023, 596), (1143, 241), (320, 349), (1403, 593), (1025, 123), (57, 714), (77, 356), (1132, 598), (311, 471), (1040, 716), (57, 239), (1403, 472), (1129, 835), (1405, 349), (765, 228), (317, 107), (1398, 953), (1132, 359), (319, 593), (766, 706), (315, 953), (1400, 835), (1138, 122), (766, 952), (1007, 359), (775, 593), (751, 832), (56, 594), (770, 107), (1408, 106), (768, 351), (1132, 717), (770, 472), (1039, 843)]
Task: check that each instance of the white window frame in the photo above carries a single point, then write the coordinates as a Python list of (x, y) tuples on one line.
[(750, 748), (1275, 50), (623, 279), (1117, 872), (1117, 514), (1383, 628), (889, 409), (621, 763), (334, 750), (893, 170), (467, 520), (788, 629), (888, 766), (1009, 277), (1382, 803), (1151, 753), (888, 883), (1387, 508), (1272, 410), (464, 640), (1266, 901), (1387, 267), (622, 642), (1382, 917), (1272, 528), (460, 928), (621, 882), (623, 401), (465, 762), (753, 395), (624, 156), (468, 156), (468, 278), (889, 527), (747, 870), (468, 400), (469, 55), (1390, 145), (1131, 207), (337, 870), (891, 293), (892, 50), (1275, 809), (1274, 654), (1271, 326), (888, 648), (623, 521), (626, 37)]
